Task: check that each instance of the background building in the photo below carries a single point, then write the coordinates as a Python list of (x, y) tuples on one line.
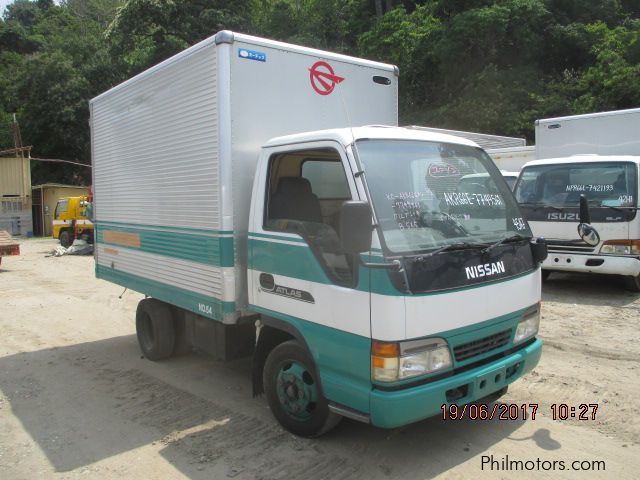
[(15, 191)]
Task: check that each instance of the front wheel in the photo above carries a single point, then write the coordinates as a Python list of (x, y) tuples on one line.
[(294, 393), (65, 238), (632, 283)]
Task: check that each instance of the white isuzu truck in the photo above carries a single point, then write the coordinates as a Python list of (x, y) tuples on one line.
[(596, 157), (233, 189)]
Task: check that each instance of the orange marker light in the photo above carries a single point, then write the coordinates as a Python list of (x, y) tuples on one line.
[(385, 349)]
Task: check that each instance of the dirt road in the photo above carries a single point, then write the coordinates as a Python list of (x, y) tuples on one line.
[(78, 401)]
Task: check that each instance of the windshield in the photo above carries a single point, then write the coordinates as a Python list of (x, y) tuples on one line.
[(429, 195), (510, 179), (605, 184)]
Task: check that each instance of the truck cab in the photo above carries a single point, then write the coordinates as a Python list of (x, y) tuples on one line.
[(72, 219), (367, 250), (549, 192)]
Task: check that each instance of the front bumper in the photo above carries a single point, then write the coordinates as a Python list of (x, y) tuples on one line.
[(391, 409), (608, 264)]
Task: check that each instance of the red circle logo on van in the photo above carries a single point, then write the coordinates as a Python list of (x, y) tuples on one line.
[(323, 78)]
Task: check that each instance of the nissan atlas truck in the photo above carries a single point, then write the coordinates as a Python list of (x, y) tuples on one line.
[(235, 189)]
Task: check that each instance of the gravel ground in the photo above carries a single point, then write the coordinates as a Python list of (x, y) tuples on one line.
[(77, 400)]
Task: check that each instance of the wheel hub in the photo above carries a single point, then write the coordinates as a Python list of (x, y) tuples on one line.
[(296, 390)]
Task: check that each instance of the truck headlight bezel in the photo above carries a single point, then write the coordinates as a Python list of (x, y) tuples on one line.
[(529, 325), (620, 247), (397, 361)]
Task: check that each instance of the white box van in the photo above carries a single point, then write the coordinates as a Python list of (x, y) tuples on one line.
[(602, 133), (234, 187)]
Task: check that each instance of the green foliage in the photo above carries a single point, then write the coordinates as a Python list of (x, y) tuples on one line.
[(57, 60), (491, 66), (404, 39), (145, 32), (613, 80), (326, 24)]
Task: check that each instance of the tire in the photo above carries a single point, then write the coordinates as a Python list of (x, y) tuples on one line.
[(66, 238), (182, 345), (632, 283), (294, 393), (155, 329), (545, 275)]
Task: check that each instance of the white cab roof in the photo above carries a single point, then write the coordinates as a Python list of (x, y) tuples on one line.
[(584, 159), (345, 136)]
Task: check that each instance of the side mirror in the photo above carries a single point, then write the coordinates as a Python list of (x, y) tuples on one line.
[(588, 234), (539, 250), (355, 226), (585, 216)]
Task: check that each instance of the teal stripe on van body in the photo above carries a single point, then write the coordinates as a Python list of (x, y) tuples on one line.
[(278, 237), (295, 261), (210, 248), (162, 227), (343, 360), (298, 261), (204, 305)]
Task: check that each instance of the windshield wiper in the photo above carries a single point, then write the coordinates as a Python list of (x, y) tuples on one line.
[(513, 238), (617, 209), (538, 206), (452, 247)]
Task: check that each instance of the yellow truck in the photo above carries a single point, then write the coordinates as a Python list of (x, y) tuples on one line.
[(72, 219)]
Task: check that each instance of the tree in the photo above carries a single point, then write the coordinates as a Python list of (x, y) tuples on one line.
[(404, 39), (51, 82), (613, 80), (488, 65), (145, 32)]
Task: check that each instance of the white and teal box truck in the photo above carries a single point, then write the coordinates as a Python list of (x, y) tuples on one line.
[(233, 189)]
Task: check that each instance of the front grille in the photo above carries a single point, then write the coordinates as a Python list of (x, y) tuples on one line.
[(478, 347), (561, 246)]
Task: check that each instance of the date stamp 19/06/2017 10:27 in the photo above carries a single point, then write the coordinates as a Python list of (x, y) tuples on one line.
[(518, 411)]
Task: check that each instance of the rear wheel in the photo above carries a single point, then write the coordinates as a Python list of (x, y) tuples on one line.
[(632, 283), (155, 329), (65, 238), (182, 345), (294, 393)]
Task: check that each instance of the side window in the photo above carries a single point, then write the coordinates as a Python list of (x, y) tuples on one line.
[(327, 179), (304, 196), (61, 207)]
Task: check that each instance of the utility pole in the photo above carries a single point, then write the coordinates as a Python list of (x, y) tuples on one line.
[(17, 136)]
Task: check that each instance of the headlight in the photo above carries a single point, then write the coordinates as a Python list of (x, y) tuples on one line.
[(393, 361), (529, 324), (621, 247)]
